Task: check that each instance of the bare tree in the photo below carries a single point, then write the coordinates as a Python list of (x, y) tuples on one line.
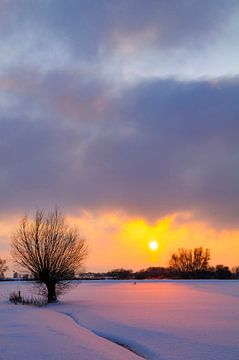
[(52, 251), (3, 268), (190, 263)]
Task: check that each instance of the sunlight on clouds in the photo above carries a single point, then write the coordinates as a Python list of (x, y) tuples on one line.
[(117, 239), (120, 240)]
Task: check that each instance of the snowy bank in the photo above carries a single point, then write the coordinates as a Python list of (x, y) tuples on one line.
[(34, 333), (161, 320)]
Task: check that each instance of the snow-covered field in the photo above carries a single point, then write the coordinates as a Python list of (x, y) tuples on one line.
[(164, 320)]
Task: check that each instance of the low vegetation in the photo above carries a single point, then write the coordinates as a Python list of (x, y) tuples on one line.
[(17, 298)]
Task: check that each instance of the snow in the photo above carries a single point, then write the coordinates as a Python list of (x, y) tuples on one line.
[(161, 320)]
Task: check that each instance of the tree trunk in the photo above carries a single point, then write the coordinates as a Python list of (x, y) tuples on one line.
[(51, 289)]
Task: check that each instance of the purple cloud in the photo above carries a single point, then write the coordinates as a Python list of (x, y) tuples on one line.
[(73, 131), (160, 147)]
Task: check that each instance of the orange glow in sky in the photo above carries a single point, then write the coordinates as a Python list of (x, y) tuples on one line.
[(117, 239), (120, 240)]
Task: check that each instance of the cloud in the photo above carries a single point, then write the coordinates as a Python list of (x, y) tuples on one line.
[(91, 24), (90, 120), (127, 35), (155, 148), (182, 154)]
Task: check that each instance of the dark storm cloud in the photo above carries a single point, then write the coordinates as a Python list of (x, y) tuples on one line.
[(160, 147)]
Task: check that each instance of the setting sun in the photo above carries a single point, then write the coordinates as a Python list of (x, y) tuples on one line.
[(153, 245)]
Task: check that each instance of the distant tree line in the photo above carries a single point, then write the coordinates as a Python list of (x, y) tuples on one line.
[(213, 272), (184, 264)]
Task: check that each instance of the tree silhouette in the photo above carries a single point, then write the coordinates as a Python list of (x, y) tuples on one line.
[(49, 249), (3, 268), (190, 263)]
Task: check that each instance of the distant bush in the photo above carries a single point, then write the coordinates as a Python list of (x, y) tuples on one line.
[(154, 273), (16, 298), (222, 272), (120, 274)]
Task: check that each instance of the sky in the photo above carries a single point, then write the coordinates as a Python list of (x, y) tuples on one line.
[(124, 113)]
